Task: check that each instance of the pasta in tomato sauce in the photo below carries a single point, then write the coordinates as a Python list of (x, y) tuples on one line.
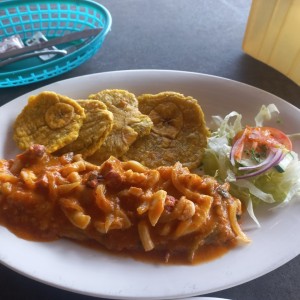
[(123, 206)]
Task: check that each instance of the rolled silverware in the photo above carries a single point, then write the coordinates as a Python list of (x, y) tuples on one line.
[(70, 37)]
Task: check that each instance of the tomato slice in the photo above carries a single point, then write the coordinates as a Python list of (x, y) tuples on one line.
[(258, 141)]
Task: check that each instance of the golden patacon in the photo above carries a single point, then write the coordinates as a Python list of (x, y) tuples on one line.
[(129, 123), (95, 128), (179, 131), (50, 119)]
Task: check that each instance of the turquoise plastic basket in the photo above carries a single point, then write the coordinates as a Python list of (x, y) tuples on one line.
[(53, 18)]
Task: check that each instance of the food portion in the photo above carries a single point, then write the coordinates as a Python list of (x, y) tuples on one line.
[(95, 128), (116, 169), (258, 160), (156, 130), (121, 205), (179, 132), (129, 123), (49, 119)]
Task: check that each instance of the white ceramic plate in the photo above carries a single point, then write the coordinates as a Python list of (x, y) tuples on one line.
[(69, 266)]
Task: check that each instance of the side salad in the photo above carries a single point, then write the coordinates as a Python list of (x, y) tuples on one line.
[(258, 161)]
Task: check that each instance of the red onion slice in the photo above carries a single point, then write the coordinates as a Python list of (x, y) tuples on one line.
[(278, 156), (269, 158)]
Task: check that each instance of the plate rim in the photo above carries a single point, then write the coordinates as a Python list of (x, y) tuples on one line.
[(111, 73)]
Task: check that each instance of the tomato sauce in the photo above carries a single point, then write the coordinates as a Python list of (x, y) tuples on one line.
[(165, 215)]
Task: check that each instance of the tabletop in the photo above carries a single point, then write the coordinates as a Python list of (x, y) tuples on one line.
[(189, 35)]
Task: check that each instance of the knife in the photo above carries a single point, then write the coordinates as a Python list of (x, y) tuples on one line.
[(73, 36), (28, 55)]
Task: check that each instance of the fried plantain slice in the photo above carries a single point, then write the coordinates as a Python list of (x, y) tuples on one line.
[(95, 128), (49, 119), (179, 131), (129, 123)]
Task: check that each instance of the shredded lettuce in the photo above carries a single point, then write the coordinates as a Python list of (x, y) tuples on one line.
[(265, 114), (271, 186)]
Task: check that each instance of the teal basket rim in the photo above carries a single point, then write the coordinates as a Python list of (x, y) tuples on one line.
[(14, 3), (85, 52)]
